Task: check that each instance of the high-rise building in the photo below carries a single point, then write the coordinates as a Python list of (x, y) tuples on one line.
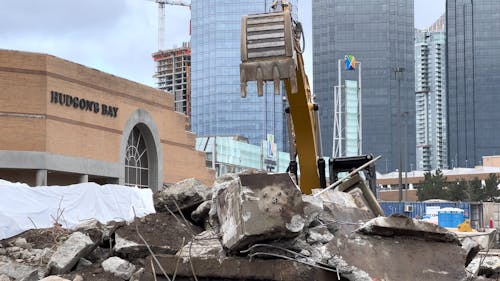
[(380, 34), (430, 95), (217, 107), (473, 65), (173, 69)]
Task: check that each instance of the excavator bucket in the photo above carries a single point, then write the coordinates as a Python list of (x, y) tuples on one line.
[(267, 51)]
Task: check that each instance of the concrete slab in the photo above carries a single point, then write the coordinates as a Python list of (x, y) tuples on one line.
[(398, 225), (399, 258), (235, 268)]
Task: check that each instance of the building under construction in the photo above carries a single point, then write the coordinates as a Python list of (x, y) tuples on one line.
[(173, 69)]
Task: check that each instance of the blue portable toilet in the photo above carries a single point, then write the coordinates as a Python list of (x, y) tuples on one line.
[(450, 217)]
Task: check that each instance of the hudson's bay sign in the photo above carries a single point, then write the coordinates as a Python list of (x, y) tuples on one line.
[(83, 104)]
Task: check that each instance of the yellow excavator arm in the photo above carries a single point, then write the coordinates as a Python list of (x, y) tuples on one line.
[(270, 51)]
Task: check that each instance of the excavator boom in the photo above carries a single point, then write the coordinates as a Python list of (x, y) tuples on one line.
[(270, 51)]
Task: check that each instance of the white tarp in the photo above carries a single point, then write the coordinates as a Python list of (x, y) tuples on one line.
[(23, 207)]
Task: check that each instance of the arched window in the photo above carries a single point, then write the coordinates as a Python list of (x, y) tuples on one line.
[(136, 160)]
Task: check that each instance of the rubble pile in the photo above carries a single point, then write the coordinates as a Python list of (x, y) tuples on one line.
[(249, 226)]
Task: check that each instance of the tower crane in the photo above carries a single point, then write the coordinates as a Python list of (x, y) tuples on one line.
[(161, 17)]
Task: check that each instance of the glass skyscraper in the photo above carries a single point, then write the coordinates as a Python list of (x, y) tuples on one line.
[(380, 34), (473, 60), (430, 92), (217, 107)]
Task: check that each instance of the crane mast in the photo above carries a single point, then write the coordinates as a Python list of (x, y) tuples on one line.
[(161, 18)]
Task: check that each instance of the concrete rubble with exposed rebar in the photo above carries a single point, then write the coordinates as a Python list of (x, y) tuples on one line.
[(250, 226)]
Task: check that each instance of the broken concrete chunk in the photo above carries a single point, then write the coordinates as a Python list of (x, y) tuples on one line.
[(340, 198), (347, 271), (32, 276), (204, 245), (259, 207), (222, 180), (359, 199), (82, 263), (482, 238), (343, 220), (69, 253), (163, 232), (119, 267), (398, 225), (22, 243), (471, 249), (312, 208), (99, 254), (488, 266), (16, 270), (319, 234), (137, 275), (97, 231), (124, 247), (188, 194), (200, 215), (54, 278)]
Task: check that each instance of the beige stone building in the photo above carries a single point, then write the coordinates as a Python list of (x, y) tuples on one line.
[(63, 123)]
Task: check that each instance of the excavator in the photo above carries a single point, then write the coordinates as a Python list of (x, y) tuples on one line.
[(271, 52)]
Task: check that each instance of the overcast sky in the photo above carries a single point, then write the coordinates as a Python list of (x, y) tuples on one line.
[(119, 36)]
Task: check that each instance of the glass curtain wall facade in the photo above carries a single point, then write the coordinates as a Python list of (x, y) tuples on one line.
[(473, 65), (217, 107), (380, 34), (232, 156), (430, 93)]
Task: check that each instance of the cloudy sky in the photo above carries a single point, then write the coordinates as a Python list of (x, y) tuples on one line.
[(119, 36)]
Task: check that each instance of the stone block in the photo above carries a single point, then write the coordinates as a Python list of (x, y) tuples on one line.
[(259, 207)]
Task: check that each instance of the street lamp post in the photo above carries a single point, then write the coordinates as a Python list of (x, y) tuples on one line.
[(397, 73)]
